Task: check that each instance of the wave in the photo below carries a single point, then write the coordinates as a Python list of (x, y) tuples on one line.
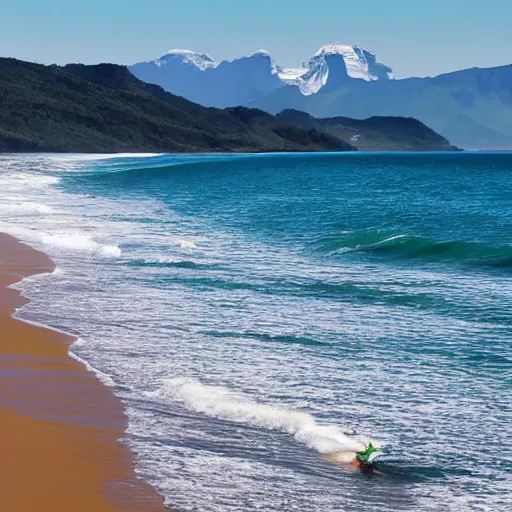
[(187, 244), (30, 206), (101, 376), (128, 172), (283, 338), (224, 404), (370, 294), (81, 243), (23, 181), (17, 206), (79, 157), (403, 246), (123, 169), (169, 262)]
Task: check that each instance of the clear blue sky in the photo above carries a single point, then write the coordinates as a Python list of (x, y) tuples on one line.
[(414, 37)]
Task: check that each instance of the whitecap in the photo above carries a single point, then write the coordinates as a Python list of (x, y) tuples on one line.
[(82, 243), (24, 181), (187, 244)]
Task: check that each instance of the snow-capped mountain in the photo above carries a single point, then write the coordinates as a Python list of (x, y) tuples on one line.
[(200, 78), (233, 83), (334, 62), (199, 60), (360, 62), (471, 108), (178, 71)]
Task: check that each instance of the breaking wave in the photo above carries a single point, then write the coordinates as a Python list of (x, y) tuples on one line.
[(81, 243), (187, 244), (24, 181), (404, 246)]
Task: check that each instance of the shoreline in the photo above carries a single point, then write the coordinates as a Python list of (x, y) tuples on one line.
[(59, 425)]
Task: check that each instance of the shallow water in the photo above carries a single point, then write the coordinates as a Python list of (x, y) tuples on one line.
[(256, 313)]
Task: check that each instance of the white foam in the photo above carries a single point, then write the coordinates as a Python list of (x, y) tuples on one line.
[(102, 377), (387, 240), (30, 206), (99, 156), (23, 181), (187, 244), (225, 404), (82, 243), (172, 260), (13, 198)]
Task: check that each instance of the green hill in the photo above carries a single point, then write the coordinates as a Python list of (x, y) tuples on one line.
[(104, 108), (374, 133)]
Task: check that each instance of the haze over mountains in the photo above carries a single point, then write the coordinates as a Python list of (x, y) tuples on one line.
[(472, 108)]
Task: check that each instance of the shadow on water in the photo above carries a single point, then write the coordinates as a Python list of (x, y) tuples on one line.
[(398, 472)]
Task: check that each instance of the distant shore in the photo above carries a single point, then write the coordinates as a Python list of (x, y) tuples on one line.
[(104, 109), (59, 426)]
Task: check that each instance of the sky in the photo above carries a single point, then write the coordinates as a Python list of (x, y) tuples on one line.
[(414, 37)]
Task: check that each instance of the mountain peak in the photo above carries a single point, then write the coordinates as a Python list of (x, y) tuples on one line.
[(180, 72), (335, 62), (335, 49), (200, 60), (259, 53), (360, 62)]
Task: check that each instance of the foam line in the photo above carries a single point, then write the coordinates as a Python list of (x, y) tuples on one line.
[(102, 377), (81, 243), (224, 404)]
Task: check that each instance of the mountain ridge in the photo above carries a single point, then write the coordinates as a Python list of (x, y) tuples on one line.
[(104, 108), (472, 107), (229, 83)]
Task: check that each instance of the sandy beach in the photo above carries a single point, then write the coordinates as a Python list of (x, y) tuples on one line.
[(59, 426)]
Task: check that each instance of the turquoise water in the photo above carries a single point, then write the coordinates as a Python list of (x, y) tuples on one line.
[(259, 313)]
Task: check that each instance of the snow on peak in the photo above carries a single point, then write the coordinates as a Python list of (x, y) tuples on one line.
[(333, 61), (200, 60), (259, 53), (308, 79), (361, 62), (336, 49), (274, 68)]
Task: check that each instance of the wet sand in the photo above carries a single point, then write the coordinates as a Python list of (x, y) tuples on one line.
[(59, 426)]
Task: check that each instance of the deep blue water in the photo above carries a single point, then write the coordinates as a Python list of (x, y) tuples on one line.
[(259, 313)]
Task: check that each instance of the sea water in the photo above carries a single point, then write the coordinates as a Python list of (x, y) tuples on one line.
[(258, 313)]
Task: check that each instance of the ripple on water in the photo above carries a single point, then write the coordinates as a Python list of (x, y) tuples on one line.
[(247, 292)]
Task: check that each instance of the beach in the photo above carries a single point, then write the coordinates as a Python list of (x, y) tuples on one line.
[(59, 426)]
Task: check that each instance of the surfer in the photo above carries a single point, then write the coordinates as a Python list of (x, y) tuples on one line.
[(363, 460)]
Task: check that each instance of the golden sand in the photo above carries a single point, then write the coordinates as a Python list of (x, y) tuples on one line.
[(59, 426)]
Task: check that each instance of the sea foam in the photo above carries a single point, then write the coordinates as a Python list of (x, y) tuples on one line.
[(102, 377), (23, 181), (222, 403), (82, 243), (187, 244)]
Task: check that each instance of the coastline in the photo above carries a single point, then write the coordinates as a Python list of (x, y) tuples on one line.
[(59, 426)]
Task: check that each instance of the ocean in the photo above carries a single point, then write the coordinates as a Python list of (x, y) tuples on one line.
[(256, 313)]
